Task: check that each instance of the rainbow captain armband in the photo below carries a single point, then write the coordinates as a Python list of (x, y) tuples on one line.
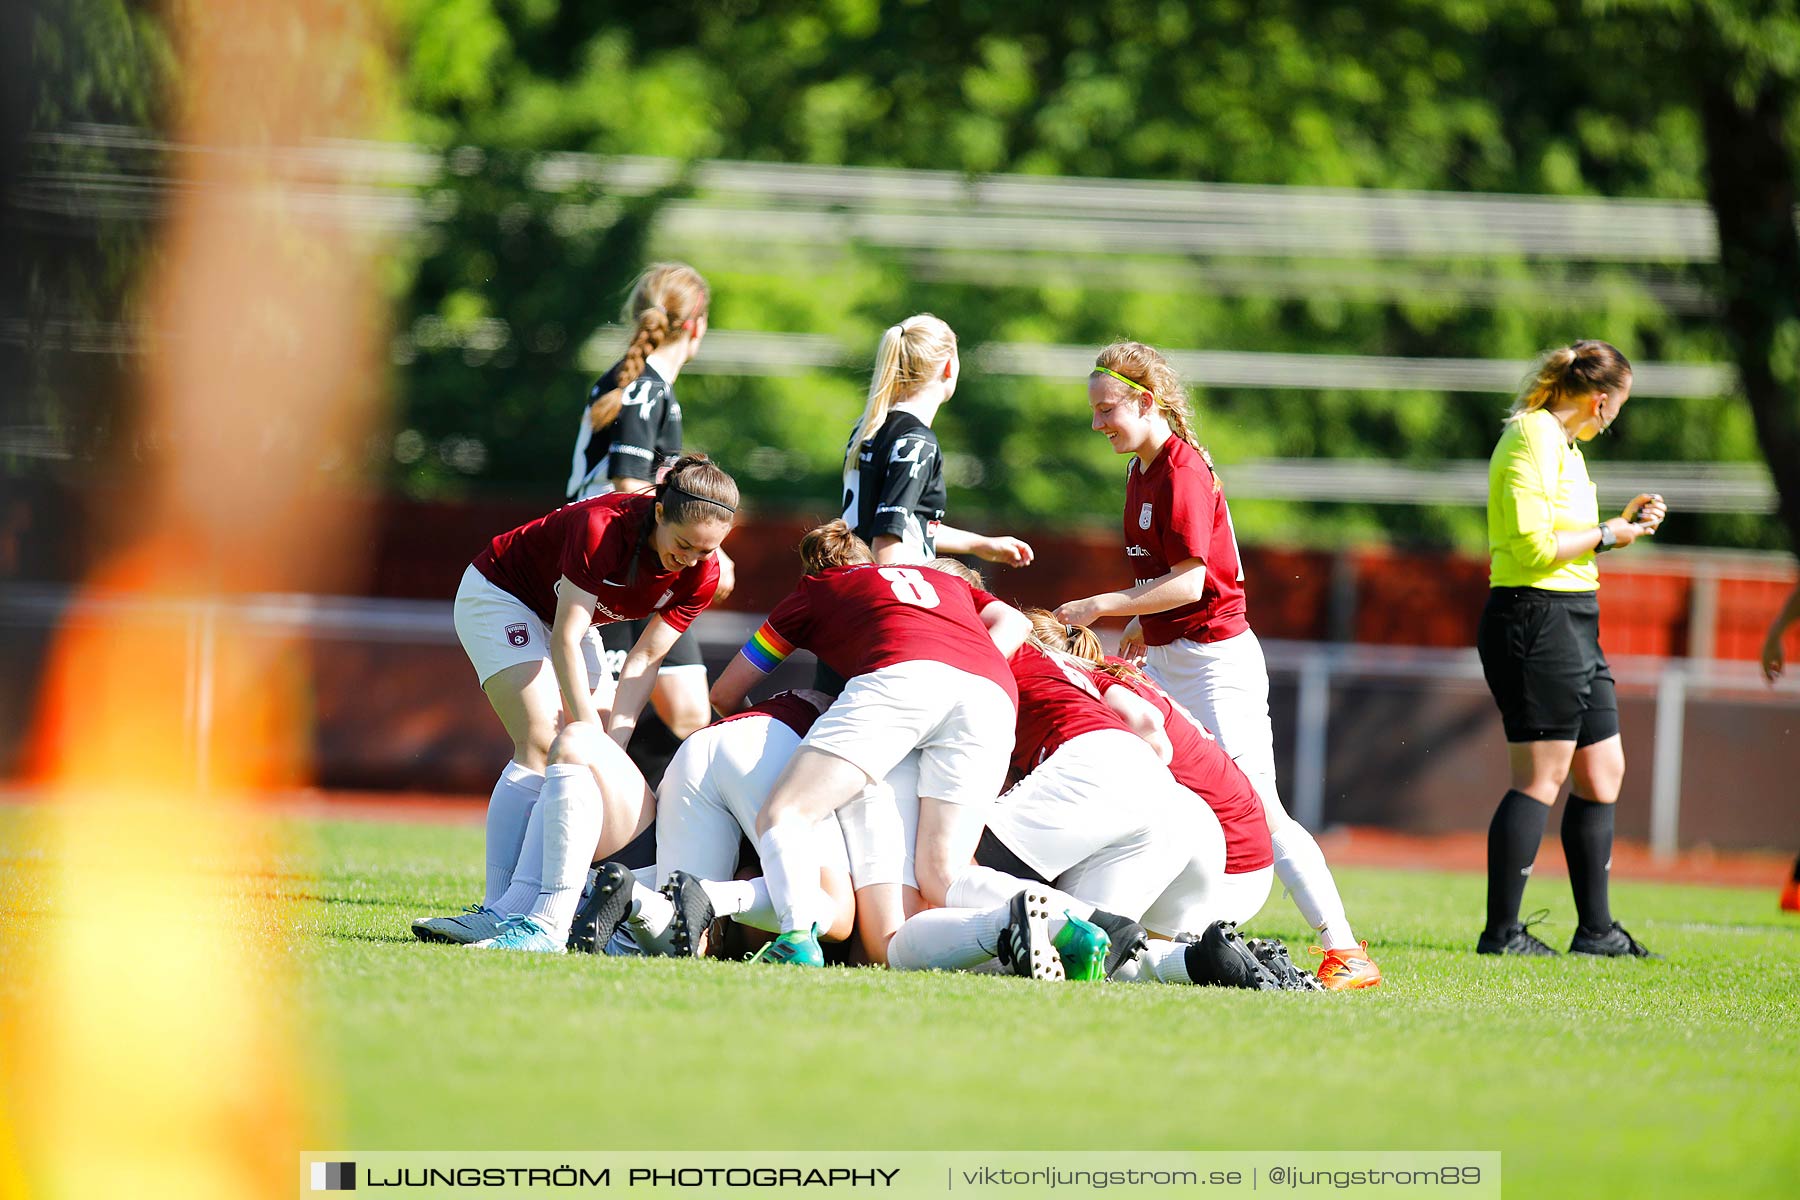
[(767, 649)]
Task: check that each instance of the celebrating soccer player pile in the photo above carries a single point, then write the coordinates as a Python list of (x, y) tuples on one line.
[(970, 786)]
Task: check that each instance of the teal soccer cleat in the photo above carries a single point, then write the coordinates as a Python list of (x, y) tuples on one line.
[(473, 924), (522, 933), (1083, 947), (795, 948)]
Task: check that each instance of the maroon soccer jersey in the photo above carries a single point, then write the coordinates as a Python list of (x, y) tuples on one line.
[(1058, 701), (861, 618), (1202, 767), (1175, 510), (593, 542), (797, 714)]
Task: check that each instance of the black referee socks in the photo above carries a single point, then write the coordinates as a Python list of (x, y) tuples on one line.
[(1587, 838), (1513, 838)]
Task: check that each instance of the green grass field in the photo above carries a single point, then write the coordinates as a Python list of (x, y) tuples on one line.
[(1679, 1078), (1648, 1079)]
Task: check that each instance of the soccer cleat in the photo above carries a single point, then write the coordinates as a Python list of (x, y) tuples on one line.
[(693, 913), (1516, 939), (1347, 970), (474, 924), (1025, 942), (1276, 961), (605, 905), (1128, 939), (1612, 942), (522, 933), (1082, 946), (1219, 958), (1790, 897), (795, 948)]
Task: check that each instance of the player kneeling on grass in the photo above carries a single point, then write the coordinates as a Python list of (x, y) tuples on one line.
[(922, 652), (1195, 759), (708, 802), (1098, 813)]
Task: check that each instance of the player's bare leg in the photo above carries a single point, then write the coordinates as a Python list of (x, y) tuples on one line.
[(679, 697)]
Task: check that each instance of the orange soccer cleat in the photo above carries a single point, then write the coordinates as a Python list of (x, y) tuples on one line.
[(1790, 897), (1346, 970)]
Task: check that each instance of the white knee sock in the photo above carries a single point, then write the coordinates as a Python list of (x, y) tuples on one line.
[(947, 939), (509, 809), (745, 901), (527, 872), (984, 887), (652, 915), (1165, 962), (1300, 865), (791, 871), (572, 820)]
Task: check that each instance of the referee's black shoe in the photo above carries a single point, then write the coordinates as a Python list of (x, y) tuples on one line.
[(1516, 939), (1612, 942)]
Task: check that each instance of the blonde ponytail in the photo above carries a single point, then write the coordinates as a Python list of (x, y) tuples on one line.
[(910, 354)]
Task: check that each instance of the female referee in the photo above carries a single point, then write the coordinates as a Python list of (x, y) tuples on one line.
[(1188, 617), (630, 432), (1540, 643)]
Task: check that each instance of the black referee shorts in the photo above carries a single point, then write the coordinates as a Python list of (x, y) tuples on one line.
[(618, 637), (1540, 651)]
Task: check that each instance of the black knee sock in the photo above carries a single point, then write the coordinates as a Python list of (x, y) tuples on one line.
[(1513, 837), (1587, 838)]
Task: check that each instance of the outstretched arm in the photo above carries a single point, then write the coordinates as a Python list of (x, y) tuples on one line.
[(1183, 584)]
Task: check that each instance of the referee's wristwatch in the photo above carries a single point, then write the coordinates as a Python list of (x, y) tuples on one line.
[(1608, 539)]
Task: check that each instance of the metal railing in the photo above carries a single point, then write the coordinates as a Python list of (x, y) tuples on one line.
[(1314, 666)]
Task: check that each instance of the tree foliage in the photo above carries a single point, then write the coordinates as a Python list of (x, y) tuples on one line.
[(500, 298)]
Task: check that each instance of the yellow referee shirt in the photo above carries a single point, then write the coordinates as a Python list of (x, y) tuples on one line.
[(1538, 486)]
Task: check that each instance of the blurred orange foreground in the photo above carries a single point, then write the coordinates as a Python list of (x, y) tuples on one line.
[(155, 1051)]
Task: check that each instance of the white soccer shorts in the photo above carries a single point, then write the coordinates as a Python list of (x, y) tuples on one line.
[(712, 792), (1226, 686), (497, 631), (961, 724)]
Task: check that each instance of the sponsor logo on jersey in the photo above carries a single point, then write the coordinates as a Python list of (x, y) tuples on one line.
[(1144, 516), (608, 613), (518, 635), (666, 597), (1136, 552), (1142, 582)]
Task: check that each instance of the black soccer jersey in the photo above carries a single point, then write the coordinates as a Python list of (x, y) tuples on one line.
[(644, 438), (897, 486)]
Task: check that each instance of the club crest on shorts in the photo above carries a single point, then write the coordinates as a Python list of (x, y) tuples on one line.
[(518, 635), (1144, 516)]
